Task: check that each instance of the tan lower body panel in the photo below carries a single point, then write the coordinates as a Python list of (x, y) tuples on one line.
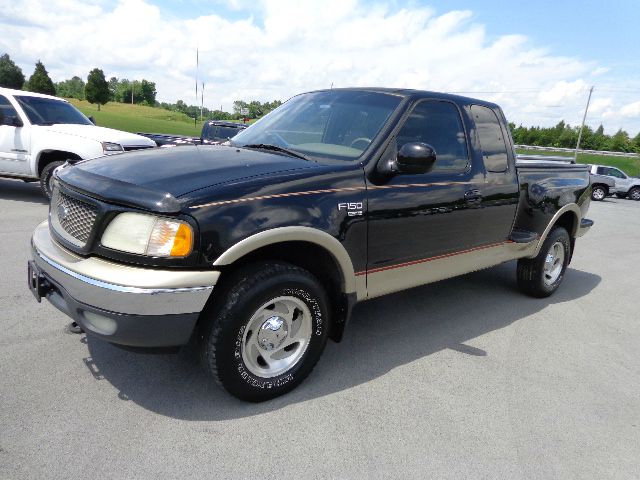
[(412, 274)]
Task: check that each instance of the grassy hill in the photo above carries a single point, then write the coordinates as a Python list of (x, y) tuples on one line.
[(629, 165), (136, 118)]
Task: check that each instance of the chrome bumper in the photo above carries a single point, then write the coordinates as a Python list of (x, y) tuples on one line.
[(137, 301)]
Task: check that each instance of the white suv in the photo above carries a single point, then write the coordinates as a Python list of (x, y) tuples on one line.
[(40, 132)]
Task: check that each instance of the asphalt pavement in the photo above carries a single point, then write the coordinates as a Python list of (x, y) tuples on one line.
[(466, 378)]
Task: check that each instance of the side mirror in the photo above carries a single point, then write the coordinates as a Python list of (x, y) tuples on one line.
[(415, 157), (16, 122), (92, 120)]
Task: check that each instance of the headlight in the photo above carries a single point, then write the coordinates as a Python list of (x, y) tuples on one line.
[(148, 235), (109, 147)]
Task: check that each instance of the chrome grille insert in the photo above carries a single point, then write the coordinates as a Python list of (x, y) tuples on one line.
[(73, 219)]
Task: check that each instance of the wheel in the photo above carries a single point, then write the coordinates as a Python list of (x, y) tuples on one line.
[(598, 193), (46, 178), (266, 331), (542, 275), (634, 193)]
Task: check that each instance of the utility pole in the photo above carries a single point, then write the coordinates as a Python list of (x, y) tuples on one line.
[(195, 115), (202, 102), (584, 117)]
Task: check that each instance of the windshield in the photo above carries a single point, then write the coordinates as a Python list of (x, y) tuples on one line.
[(337, 124), (47, 111)]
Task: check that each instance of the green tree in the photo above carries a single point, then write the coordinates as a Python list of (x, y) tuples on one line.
[(113, 88), (11, 75), (73, 88), (97, 89), (620, 142), (635, 143), (40, 82), (148, 92)]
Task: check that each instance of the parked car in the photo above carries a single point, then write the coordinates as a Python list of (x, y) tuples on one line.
[(258, 250), (38, 133), (625, 185), (213, 131)]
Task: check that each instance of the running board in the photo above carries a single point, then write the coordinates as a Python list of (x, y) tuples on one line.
[(523, 236)]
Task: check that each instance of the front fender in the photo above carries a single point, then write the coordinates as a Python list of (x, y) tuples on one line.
[(289, 234)]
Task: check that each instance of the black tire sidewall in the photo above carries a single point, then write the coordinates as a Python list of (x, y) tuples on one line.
[(233, 373), (45, 176), (635, 190)]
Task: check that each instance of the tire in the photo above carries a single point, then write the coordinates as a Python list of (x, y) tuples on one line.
[(538, 278), (46, 176), (634, 194), (599, 193), (256, 355)]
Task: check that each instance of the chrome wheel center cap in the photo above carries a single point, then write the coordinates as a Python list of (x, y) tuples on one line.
[(273, 333)]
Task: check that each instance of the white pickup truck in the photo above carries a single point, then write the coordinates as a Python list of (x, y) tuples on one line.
[(39, 132), (626, 186)]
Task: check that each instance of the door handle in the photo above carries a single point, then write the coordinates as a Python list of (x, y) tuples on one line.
[(473, 197)]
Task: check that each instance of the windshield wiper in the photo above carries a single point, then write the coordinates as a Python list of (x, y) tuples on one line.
[(276, 148)]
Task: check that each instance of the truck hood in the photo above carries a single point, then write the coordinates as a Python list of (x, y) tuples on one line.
[(155, 179), (100, 134)]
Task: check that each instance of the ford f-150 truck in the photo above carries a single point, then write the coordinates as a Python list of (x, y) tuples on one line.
[(38, 133), (257, 250)]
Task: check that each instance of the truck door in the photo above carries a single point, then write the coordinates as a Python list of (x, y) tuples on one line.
[(623, 183), (14, 141), (416, 218), (499, 191)]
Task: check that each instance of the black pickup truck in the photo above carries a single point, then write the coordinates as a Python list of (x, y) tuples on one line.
[(213, 131), (257, 250)]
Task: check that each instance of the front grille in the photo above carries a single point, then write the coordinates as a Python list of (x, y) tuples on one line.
[(72, 218), (128, 148)]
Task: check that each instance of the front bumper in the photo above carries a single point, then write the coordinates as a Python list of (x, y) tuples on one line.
[(127, 305)]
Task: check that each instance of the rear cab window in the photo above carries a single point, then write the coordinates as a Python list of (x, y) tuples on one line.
[(491, 138)]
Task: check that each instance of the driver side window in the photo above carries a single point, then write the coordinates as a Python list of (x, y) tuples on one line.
[(438, 124), (7, 112)]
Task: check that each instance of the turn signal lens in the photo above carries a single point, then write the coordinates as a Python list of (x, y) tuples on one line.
[(170, 239), (183, 241)]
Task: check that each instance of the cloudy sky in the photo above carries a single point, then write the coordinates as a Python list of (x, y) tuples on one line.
[(537, 59)]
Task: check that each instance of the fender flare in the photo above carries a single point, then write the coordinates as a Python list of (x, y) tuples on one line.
[(571, 207), (294, 234)]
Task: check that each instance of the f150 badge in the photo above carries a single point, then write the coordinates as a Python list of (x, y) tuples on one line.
[(353, 209)]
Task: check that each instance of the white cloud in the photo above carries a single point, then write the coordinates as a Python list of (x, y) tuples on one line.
[(631, 110), (273, 49)]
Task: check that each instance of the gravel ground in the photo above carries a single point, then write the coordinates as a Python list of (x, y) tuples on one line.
[(466, 378)]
